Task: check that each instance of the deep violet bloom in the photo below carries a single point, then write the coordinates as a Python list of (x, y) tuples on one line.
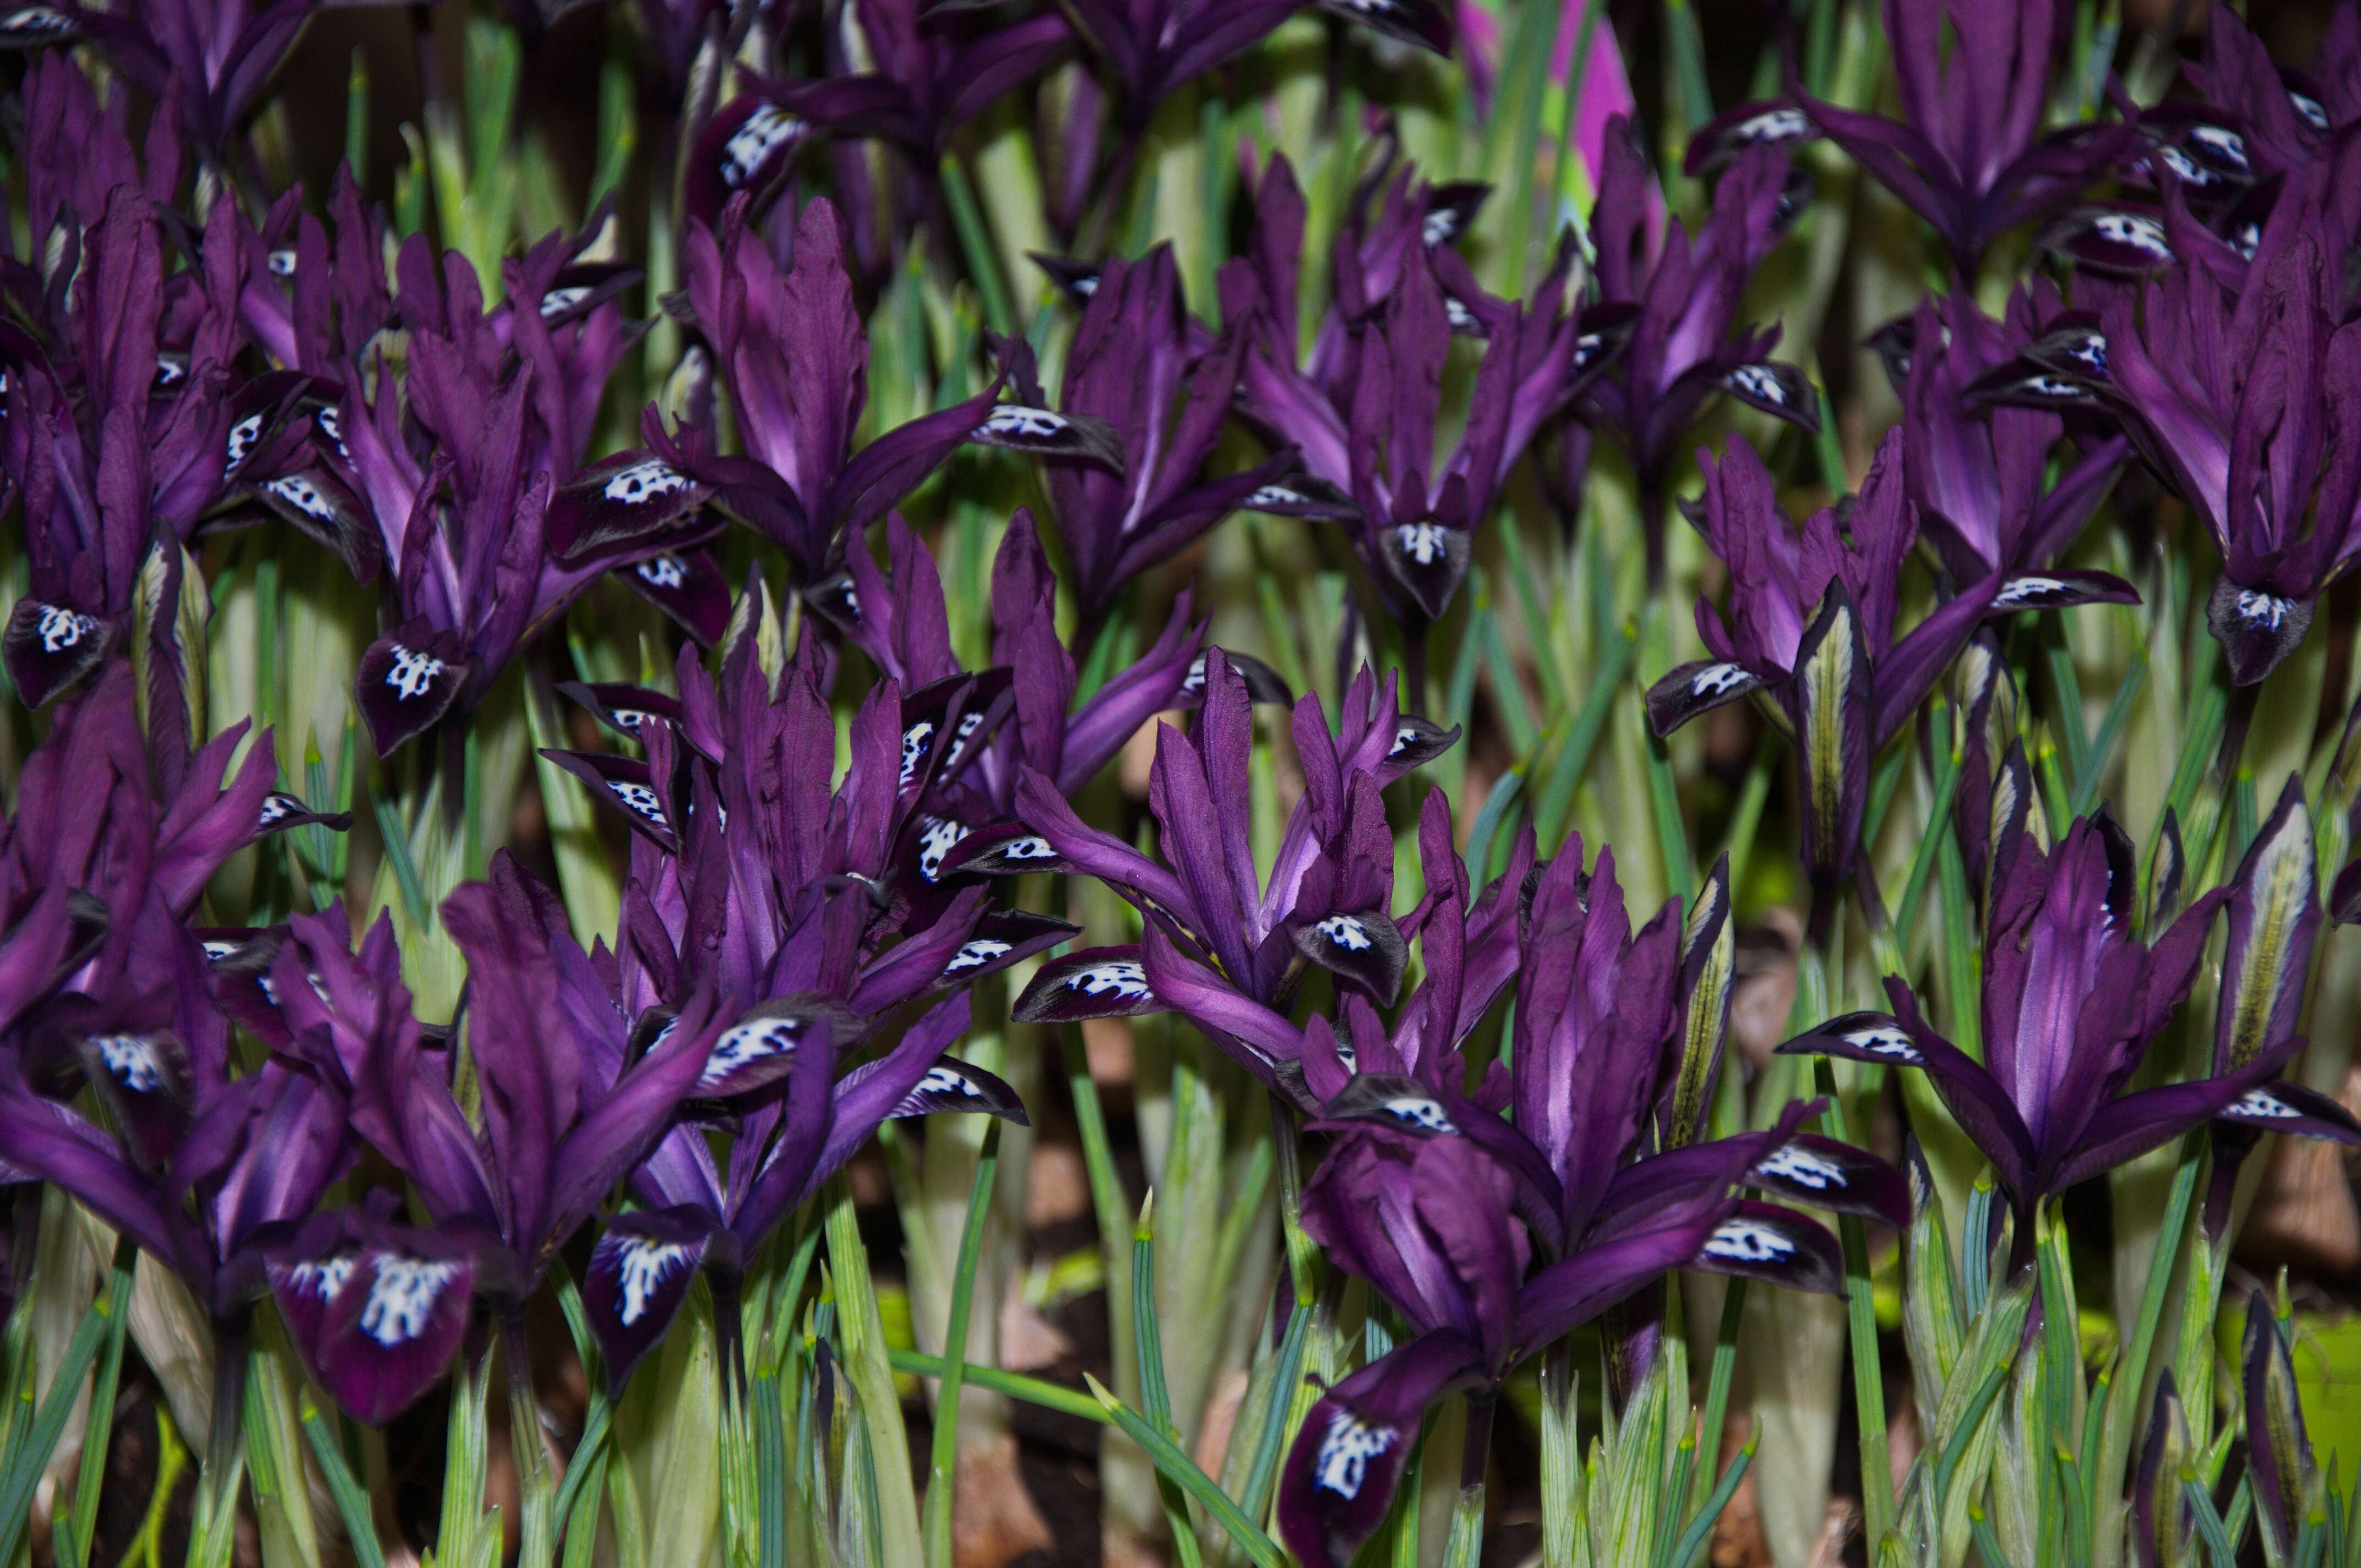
[(1675, 296), (1021, 713), (1165, 385), (100, 820), (2289, 117), (1152, 48), (214, 56), (564, 1122), (709, 1212), (2249, 401), (457, 470), (1325, 896), (1812, 627), (74, 152), (256, 1152), (920, 78), (1969, 155), (115, 444), (1977, 471), (1443, 1206), (792, 354), (1362, 410), (2072, 998)]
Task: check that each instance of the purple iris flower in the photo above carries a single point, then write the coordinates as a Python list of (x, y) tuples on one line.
[(1443, 1206), (1023, 714), (1216, 926), (1969, 155), (564, 1119), (925, 77), (1675, 297), (1152, 48), (1361, 412), (119, 429), (456, 469), (2073, 999), (214, 56), (100, 815), (1812, 626), (794, 355), (811, 910), (2249, 400), (1977, 469), (74, 153), (2287, 118), (206, 1171), (1142, 365)]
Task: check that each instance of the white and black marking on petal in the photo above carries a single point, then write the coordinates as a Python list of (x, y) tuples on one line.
[(938, 837), (1883, 1040), (1271, 496), (216, 948), (1748, 1241), (282, 262), (663, 570), (60, 628), (1347, 931), (35, 23), (412, 674), (1342, 1463), (1715, 680), (1784, 123), (331, 425), (1796, 1164), (2262, 1104), (2020, 592), (403, 1294), (321, 1278), (241, 437), (641, 801), (750, 147), (171, 369), (2187, 170), (1123, 978), (557, 302), (1422, 543), (132, 1060), (642, 1266), (2134, 230), (644, 481), (742, 1044), (962, 734), (2224, 144), (1414, 1111), (1757, 381), (976, 952), (1016, 422), (2309, 109), (916, 742), (2267, 610), (1460, 319), (1031, 847), (303, 496), (278, 807)]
